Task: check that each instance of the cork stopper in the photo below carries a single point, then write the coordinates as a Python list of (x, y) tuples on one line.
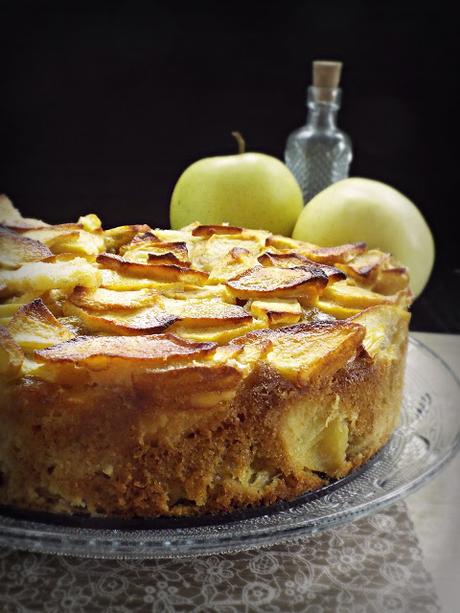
[(326, 77)]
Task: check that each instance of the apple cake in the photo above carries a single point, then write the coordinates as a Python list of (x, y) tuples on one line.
[(148, 372)]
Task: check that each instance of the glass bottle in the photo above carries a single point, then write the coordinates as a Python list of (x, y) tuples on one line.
[(319, 153)]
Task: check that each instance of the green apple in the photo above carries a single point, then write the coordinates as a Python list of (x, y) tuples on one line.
[(364, 210), (247, 189)]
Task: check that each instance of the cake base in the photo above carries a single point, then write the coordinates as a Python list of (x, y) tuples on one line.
[(85, 521)]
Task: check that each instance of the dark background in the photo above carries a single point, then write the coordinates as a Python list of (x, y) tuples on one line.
[(102, 105)]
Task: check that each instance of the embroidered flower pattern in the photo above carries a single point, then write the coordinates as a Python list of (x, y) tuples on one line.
[(374, 564)]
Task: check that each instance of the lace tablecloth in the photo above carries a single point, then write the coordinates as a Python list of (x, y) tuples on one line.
[(373, 565)]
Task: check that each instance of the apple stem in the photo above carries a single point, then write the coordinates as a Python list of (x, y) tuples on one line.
[(241, 142)]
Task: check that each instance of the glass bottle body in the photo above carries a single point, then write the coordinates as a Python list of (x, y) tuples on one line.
[(319, 153)]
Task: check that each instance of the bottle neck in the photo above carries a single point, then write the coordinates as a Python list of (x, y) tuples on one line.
[(323, 105), (322, 117)]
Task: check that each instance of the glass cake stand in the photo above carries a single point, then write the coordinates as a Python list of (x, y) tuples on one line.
[(429, 435)]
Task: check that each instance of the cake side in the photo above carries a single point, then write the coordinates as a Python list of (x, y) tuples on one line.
[(132, 451)]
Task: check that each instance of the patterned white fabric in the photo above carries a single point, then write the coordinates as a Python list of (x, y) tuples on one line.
[(372, 565)]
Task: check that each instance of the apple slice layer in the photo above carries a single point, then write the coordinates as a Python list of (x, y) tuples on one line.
[(275, 282)]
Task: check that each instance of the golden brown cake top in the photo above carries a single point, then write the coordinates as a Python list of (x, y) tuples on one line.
[(77, 294)]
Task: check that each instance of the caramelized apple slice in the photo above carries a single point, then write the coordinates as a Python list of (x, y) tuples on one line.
[(355, 297), (160, 272), (12, 219), (43, 276), (52, 233), (332, 273), (144, 245), (159, 253), (140, 241), (100, 351), (69, 238), (207, 255), (148, 320), (218, 334), (403, 298), (102, 299), (339, 254), (23, 298), (202, 386), (259, 236), (80, 243), (276, 282), (290, 260), (277, 311), (285, 242), (336, 310), (174, 236), (203, 292), (364, 268), (320, 255), (148, 244), (116, 237), (392, 280), (136, 256), (237, 260), (386, 328), (110, 279), (208, 231), (16, 250), (34, 327), (166, 258), (8, 310), (60, 257), (90, 223), (11, 355), (178, 250), (196, 312), (250, 353), (9, 307), (311, 351)]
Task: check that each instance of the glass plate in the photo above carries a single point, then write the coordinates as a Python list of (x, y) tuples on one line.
[(429, 435)]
